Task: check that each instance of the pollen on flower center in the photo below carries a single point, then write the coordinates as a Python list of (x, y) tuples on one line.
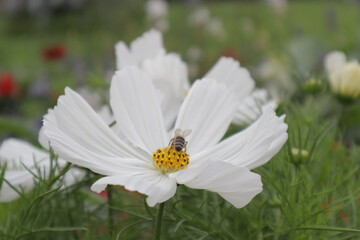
[(169, 160)]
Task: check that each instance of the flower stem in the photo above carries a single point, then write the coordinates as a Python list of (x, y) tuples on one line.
[(159, 221), (110, 211)]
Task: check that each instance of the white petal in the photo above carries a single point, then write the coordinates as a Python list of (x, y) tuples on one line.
[(22, 180), (228, 71), (43, 140), (235, 184), (334, 61), (252, 147), (108, 117), (137, 109), (251, 108), (207, 110), (123, 56), (15, 152), (158, 187), (169, 74), (80, 136), (147, 46)]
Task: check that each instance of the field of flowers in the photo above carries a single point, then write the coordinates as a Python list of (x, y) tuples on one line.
[(179, 119)]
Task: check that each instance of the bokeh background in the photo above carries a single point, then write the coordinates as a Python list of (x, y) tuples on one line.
[(47, 45)]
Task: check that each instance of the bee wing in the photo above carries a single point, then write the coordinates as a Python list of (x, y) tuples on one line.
[(186, 132), (177, 132)]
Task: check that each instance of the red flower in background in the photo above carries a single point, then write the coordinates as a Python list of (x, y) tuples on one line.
[(54, 52), (8, 86)]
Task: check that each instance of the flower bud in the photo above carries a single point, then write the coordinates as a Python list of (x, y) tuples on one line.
[(312, 85), (299, 156), (344, 76)]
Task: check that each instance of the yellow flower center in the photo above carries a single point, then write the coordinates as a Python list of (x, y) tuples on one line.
[(169, 160)]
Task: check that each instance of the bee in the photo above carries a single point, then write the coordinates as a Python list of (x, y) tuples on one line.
[(178, 141)]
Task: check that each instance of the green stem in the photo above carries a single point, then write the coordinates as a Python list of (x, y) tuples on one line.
[(110, 212), (159, 221)]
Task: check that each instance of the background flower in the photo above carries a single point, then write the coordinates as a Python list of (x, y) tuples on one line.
[(344, 77), (23, 162)]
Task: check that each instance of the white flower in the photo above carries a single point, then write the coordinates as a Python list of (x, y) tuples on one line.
[(77, 134), (170, 75), (251, 100), (344, 76), (279, 6), (22, 161), (216, 28), (156, 9), (161, 24), (252, 106), (200, 17), (168, 72), (194, 53), (148, 46)]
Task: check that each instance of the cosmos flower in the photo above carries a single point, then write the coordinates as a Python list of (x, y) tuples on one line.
[(22, 161), (344, 76), (54, 52), (252, 106), (199, 17), (170, 75), (216, 28), (146, 162), (156, 12), (8, 86), (156, 9), (279, 6), (147, 46), (167, 71)]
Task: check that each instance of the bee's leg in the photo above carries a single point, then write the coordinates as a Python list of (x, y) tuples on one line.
[(171, 142), (185, 145)]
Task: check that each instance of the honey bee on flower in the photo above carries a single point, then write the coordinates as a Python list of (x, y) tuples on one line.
[(79, 135)]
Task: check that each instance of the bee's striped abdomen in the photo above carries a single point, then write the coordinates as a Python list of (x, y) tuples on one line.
[(179, 143)]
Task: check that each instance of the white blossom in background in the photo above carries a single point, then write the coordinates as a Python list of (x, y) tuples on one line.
[(252, 101), (32, 158), (252, 107), (199, 17), (148, 46), (343, 75), (22, 160), (216, 28), (156, 14), (275, 73), (147, 165), (279, 6), (161, 24), (170, 74), (193, 55)]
